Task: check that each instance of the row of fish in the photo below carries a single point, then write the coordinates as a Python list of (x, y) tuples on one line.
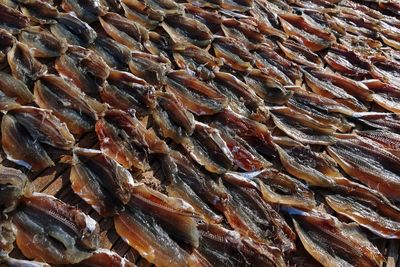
[(274, 122)]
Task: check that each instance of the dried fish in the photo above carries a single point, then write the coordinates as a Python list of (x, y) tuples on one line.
[(300, 54), (26, 129), (40, 11), (88, 11), (7, 41), (11, 19), (8, 261), (237, 5), (183, 29), (42, 43), (100, 181), (24, 66), (7, 237), (316, 169), (386, 139), (196, 60), (113, 53), (196, 96), (210, 18), (68, 103), (139, 12), (334, 243), (385, 95), (151, 68), (378, 120), (84, 68), (233, 52), (386, 70), (53, 231), (124, 31), (104, 258), (244, 31), (14, 185), (171, 118), (123, 138), (15, 88), (126, 91), (369, 164), (72, 30)]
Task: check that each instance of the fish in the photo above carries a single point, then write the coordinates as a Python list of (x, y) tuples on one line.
[(369, 164), (24, 66), (300, 54), (125, 91), (332, 242), (8, 261), (151, 68), (123, 138), (72, 30), (233, 52), (377, 120), (105, 257), (53, 231), (39, 11), (237, 5), (15, 88), (26, 130), (68, 103), (182, 29), (14, 186), (196, 60), (265, 85), (171, 118), (317, 169), (366, 207), (195, 95), (244, 31), (385, 95), (88, 11), (210, 18), (100, 181), (116, 55), (386, 139), (124, 31), (42, 43), (142, 14), (12, 20), (385, 69), (347, 62), (84, 68)]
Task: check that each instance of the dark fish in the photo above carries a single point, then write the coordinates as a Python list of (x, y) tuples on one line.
[(88, 11), (386, 70), (210, 18), (385, 95), (15, 88), (227, 248), (7, 41), (151, 68), (171, 118), (307, 31), (113, 53), (303, 127), (366, 207), (8, 261), (172, 169), (124, 31), (196, 60), (24, 66), (42, 43), (84, 68), (7, 238), (386, 139), (68, 103), (334, 243), (26, 129), (347, 62), (139, 12), (378, 120), (158, 44), (237, 5), (300, 54), (72, 30), (53, 231), (208, 148), (267, 87), (14, 185), (100, 181), (126, 91), (11, 19), (368, 163), (391, 6), (145, 235), (105, 258), (123, 138), (182, 29), (233, 52), (165, 7), (40, 11), (244, 31), (316, 169), (196, 96)]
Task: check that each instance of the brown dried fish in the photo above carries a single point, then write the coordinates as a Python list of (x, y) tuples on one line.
[(386, 139), (113, 53), (88, 11), (124, 31), (68, 103), (386, 70), (244, 31), (210, 18), (7, 237), (8, 261), (72, 30), (151, 68), (15, 88), (100, 181), (139, 12), (53, 231), (7, 41), (385, 95), (126, 91), (233, 52), (105, 258), (237, 5), (40, 11), (11, 19), (26, 129), (84, 68), (300, 54), (24, 66), (123, 138), (41, 42), (378, 120), (196, 96)]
